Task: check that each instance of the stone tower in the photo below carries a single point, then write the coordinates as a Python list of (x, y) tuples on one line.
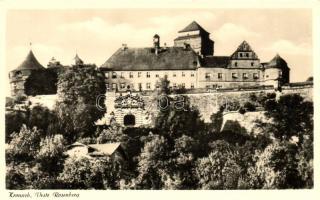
[(277, 72), (197, 38), (19, 75)]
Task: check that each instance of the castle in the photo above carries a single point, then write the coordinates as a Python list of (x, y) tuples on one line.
[(189, 64)]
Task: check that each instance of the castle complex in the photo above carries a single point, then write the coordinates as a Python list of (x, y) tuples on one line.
[(189, 64)]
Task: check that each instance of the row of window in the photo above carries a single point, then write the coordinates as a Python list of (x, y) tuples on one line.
[(236, 64), (147, 86), (148, 75), (234, 75)]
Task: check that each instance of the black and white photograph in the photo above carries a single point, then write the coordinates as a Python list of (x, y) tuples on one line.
[(158, 99)]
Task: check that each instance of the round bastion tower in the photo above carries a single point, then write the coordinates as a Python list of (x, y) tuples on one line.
[(277, 72)]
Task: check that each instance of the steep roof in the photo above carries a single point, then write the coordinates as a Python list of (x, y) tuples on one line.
[(244, 47), (30, 63), (277, 62), (215, 61), (77, 60), (194, 26), (170, 58)]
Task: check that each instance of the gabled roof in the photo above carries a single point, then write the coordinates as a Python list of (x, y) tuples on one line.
[(136, 59), (30, 63), (107, 149), (244, 47), (277, 62), (215, 61), (194, 26)]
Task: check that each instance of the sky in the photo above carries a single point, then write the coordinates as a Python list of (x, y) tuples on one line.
[(96, 34)]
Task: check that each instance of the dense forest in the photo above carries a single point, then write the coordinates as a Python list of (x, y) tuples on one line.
[(179, 152)]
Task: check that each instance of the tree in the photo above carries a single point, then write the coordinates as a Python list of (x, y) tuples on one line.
[(219, 170), (13, 122), (179, 119), (291, 116), (216, 120), (41, 117), (24, 144), (50, 154), (78, 89), (276, 166), (153, 163), (41, 82)]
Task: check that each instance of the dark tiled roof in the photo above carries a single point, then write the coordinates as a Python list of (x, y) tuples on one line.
[(215, 61), (277, 62), (194, 26), (186, 37), (30, 63), (243, 47), (134, 59)]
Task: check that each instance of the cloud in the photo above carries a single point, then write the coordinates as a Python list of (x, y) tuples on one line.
[(288, 47), (229, 31)]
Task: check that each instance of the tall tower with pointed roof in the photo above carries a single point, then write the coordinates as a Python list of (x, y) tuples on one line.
[(197, 38), (19, 75)]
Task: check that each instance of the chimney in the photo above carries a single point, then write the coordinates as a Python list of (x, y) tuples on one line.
[(124, 47), (156, 43), (165, 46)]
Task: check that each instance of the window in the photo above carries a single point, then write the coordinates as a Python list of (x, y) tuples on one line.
[(121, 75), (247, 55), (255, 75), (157, 86), (183, 74), (174, 75), (114, 86), (114, 75), (148, 74), (140, 86), (192, 85), (219, 75), (107, 86), (174, 85), (131, 75), (208, 75), (157, 75), (236, 64), (252, 64), (122, 86), (234, 75), (240, 54), (139, 74), (107, 75), (148, 85), (245, 75), (192, 74), (183, 85)]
